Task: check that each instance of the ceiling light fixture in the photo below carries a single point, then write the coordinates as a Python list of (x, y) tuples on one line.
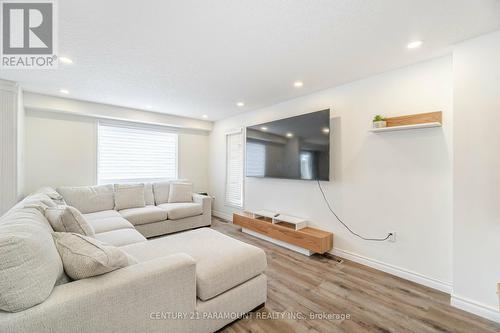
[(240, 104), (326, 130), (289, 135), (64, 91), (204, 116), (414, 44), (298, 84), (65, 60), (264, 128), (149, 106)]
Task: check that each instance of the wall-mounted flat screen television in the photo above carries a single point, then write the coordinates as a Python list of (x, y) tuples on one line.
[(292, 148)]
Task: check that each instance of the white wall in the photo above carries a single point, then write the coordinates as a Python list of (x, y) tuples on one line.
[(193, 158), (476, 229), (10, 154), (60, 149), (398, 181)]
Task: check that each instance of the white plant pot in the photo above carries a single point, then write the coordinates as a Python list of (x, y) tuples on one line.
[(379, 124)]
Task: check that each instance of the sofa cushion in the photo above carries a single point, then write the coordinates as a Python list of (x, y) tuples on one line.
[(50, 192), (35, 199), (180, 210), (68, 219), (101, 215), (180, 192), (222, 262), (110, 223), (149, 198), (120, 237), (129, 196), (84, 257), (89, 199), (29, 263), (161, 191), (144, 215)]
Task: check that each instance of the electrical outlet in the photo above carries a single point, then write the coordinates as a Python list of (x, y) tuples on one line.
[(392, 237)]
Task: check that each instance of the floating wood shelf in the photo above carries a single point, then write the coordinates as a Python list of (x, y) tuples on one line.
[(414, 121), (405, 127)]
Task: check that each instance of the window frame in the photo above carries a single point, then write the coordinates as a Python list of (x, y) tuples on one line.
[(243, 161), (140, 126)]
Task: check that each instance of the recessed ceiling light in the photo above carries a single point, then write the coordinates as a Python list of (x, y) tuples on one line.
[(65, 60), (64, 91), (205, 116), (414, 44), (149, 106), (289, 135), (240, 104), (264, 128), (298, 84), (326, 130)]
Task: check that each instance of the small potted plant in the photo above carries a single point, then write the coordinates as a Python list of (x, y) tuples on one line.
[(379, 121)]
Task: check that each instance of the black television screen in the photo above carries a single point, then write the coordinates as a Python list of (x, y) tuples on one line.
[(293, 148)]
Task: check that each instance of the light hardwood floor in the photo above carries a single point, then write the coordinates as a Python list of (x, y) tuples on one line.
[(375, 301)]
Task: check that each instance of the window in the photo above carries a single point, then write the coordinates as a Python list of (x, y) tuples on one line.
[(130, 153), (256, 159), (234, 169), (306, 165)]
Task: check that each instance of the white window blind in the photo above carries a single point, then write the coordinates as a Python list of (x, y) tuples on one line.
[(129, 153), (256, 159), (234, 169)]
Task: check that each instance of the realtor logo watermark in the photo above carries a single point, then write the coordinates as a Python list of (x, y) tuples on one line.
[(29, 34)]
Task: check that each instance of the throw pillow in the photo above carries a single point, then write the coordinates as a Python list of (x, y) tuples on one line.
[(129, 196), (68, 219), (180, 192), (84, 257)]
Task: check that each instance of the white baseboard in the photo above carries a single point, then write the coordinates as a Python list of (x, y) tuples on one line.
[(222, 215), (476, 308), (394, 270)]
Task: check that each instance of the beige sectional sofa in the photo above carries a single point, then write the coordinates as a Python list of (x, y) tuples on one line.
[(191, 281), (156, 217)]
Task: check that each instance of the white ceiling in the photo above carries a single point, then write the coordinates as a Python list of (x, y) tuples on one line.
[(195, 57)]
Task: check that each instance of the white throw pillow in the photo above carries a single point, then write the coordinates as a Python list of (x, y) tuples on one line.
[(180, 192), (83, 257), (68, 219), (129, 196)]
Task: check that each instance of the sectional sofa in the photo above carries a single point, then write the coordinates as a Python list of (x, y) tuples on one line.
[(146, 213), (191, 281)]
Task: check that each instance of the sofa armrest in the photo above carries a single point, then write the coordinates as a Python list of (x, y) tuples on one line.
[(131, 299), (206, 202)]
